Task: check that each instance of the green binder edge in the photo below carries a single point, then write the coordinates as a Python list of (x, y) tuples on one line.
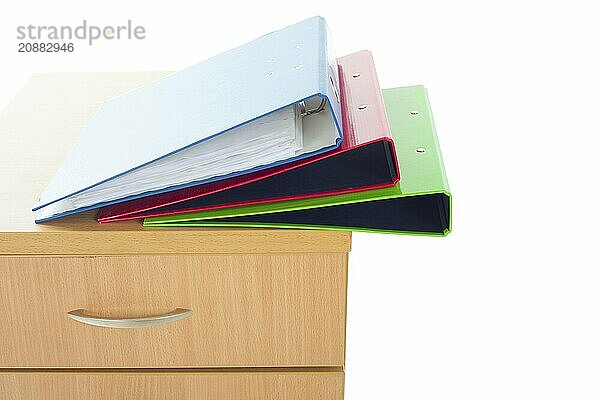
[(421, 167)]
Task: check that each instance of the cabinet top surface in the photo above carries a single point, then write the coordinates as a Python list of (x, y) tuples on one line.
[(37, 130)]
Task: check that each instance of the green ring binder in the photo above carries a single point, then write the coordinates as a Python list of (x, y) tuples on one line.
[(420, 204)]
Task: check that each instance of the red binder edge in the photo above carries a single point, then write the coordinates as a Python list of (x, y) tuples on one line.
[(361, 126)]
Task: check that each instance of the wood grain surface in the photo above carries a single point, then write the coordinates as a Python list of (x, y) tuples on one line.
[(248, 311), (181, 386)]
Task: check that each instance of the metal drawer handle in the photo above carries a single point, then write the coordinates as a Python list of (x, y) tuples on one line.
[(143, 322)]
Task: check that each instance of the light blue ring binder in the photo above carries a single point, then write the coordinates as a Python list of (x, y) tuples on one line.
[(183, 109)]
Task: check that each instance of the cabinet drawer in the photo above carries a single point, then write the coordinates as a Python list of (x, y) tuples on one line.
[(148, 386), (248, 310)]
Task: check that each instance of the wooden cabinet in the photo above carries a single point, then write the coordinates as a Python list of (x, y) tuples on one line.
[(268, 307)]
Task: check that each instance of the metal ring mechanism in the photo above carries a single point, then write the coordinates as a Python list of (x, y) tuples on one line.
[(304, 111)]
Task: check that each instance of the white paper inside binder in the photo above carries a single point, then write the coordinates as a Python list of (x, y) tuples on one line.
[(275, 137)]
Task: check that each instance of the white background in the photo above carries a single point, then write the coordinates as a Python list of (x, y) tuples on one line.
[(507, 306)]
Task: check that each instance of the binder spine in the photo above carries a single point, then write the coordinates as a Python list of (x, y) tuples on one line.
[(329, 80), (367, 119), (416, 141), (436, 144)]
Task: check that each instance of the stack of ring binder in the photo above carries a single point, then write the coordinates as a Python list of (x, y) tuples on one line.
[(275, 133)]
